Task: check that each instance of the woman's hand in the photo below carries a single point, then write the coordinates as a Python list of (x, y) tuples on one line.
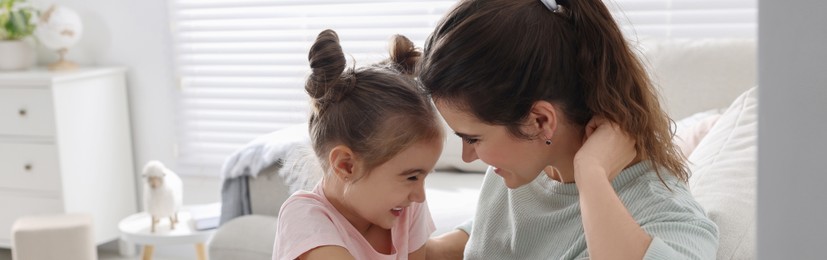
[(605, 148), (611, 232)]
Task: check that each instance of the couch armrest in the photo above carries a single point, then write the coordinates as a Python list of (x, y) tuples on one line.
[(268, 191), (248, 237)]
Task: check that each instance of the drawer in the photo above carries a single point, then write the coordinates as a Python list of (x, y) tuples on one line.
[(31, 167), (17, 206), (26, 112)]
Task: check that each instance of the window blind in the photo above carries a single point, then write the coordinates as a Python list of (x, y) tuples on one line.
[(687, 18), (241, 64)]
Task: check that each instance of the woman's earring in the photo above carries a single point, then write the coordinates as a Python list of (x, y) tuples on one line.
[(548, 141)]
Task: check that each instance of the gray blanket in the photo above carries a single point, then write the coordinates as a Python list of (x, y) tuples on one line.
[(247, 162)]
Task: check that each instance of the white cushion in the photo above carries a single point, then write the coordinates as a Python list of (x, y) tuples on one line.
[(248, 237), (63, 236), (723, 177), (687, 71), (691, 130)]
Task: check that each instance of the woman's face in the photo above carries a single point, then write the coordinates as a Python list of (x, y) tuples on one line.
[(518, 161)]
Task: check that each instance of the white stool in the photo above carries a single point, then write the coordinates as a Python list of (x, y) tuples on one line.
[(67, 236), (136, 229)]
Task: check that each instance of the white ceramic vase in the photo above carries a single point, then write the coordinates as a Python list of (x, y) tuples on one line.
[(16, 55)]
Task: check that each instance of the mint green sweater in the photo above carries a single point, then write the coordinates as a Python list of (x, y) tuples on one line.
[(541, 220)]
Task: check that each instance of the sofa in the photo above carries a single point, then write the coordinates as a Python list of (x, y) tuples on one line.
[(707, 87)]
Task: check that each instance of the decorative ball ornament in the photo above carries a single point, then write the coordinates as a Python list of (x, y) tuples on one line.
[(59, 28)]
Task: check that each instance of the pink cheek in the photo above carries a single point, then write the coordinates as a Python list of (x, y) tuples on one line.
[(487, 155)]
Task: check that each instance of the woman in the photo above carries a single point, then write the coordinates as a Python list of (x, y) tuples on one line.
[(582, 165)]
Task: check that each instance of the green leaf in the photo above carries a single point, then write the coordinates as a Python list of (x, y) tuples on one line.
[(15, 25), (4, 18)]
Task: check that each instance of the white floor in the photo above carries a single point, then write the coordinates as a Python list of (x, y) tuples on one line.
[(5, 254), (109, 251)]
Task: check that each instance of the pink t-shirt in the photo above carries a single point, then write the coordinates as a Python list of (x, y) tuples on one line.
[(307, 220)]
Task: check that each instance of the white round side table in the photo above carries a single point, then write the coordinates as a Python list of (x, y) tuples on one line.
[(136, 229)]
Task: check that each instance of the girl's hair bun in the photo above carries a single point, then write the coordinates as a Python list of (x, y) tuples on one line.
[(404, 55), (327, 62)]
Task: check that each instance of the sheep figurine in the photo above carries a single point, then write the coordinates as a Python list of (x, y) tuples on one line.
[(162, 193)]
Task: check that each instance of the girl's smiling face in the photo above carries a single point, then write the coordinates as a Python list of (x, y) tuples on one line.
[(384, 194)]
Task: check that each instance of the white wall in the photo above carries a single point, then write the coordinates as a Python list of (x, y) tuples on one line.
[(131, 34), (135, 34), (792, 123)]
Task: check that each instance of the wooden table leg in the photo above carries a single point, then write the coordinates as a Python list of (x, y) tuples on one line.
[(147, 255), (200, 252)]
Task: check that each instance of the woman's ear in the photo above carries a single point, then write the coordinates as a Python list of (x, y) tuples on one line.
[(543, 119), (342, 160)]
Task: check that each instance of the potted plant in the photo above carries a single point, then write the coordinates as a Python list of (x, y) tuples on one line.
[(17, 22)]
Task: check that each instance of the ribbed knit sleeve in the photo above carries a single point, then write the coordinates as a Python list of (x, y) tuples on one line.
[(660, 250), (682, 239), (542, 219)]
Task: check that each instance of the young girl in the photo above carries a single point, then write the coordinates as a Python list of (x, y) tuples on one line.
[(377, 137), (550, 95)]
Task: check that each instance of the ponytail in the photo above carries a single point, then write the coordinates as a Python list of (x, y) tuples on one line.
[(618, 88)]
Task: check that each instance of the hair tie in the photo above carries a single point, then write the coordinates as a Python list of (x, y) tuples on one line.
[(337, 92), (551, 5), (340, 89)]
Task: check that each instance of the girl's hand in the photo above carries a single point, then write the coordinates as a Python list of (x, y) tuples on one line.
[(450, 245), (605, 147)]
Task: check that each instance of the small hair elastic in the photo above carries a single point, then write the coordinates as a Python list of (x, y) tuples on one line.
[(551, 5)]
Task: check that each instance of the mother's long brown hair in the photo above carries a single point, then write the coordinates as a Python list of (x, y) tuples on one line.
[(498, 57)]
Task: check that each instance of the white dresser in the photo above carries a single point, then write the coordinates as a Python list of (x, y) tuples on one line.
[(66, 146)]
